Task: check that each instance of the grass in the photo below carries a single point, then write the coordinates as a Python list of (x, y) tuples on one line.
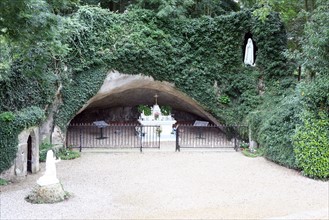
[(67, 154), (3, 182), (259, 152)]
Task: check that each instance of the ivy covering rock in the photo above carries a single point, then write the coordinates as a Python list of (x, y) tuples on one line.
[(201, 55)]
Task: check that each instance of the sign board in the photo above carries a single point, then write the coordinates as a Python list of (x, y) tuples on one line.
[(100, 124), (201, 123)]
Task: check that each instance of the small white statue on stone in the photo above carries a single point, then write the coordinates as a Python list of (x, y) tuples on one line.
[(49, 177), (249, 53)]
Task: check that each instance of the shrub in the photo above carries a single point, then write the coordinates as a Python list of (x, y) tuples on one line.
[(3, 182), (311, 145), (63, 153), (67, 154), (166, 109), (145, 108), (7, 116), (259, 152), (44, 147), (224, 99), (244, 145), (276, 131)]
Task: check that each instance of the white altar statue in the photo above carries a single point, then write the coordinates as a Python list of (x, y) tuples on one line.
[(156, 118), (249, 53), (50, 175)]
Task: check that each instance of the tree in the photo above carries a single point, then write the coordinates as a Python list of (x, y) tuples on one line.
[(185, 8), (31, 34), (316, 40)]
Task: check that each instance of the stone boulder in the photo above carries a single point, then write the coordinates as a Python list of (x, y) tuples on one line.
[(47, 194)]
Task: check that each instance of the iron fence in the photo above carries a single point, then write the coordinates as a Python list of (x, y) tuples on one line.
[(113, 136), (211, 136)]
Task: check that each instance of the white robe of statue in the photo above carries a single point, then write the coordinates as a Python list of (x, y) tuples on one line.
[(249, 53), (49, 177)]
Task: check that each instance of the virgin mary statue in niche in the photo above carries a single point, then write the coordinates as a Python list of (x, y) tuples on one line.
[(249, 53)]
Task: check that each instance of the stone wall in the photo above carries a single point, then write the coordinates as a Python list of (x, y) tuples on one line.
[(22, 166)]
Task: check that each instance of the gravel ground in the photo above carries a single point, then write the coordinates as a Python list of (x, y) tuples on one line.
[(169, 185)]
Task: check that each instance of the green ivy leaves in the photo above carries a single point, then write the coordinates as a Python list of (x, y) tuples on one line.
[(11, 124), (311, 145)]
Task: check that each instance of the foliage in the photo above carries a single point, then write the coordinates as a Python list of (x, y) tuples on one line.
[(33, 34), (166, 109), (9, 130), (202, 56), (141, 42), (7, 116), (144, 108), (244, 145), (259, 152), (76, 93), (62, 152), (311, 145), (3, 182), (67, 154), (315, 94), (316, 44), (274, 123), (158, 131), (224, 99), (273, 128), (170, 8), (44, 147), (21, 91)]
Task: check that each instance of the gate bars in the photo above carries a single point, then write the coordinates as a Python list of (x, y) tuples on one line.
[(113, 136), (189, 136), (138, 136)]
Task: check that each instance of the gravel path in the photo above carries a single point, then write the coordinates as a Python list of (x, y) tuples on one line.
[(168, 185)]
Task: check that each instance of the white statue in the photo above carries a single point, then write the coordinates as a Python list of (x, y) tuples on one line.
[(249, 53), (50, 175)]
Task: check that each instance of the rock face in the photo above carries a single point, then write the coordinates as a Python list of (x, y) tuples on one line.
[(123, 90), (47, 194)]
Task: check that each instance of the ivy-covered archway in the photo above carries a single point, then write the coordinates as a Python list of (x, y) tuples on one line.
[(202, 57)]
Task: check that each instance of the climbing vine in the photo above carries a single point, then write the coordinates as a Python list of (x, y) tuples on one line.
[(203, 57), (12, 123)]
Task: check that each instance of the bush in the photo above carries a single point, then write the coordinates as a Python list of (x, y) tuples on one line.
[(244, 145), (44, 147), (3, 182), (166, 109), (63, 153), (259, 152), (144, 108), (67, 154), (311, 145), (276, 131)]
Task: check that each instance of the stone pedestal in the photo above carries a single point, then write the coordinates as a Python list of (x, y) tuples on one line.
[(47, 194)]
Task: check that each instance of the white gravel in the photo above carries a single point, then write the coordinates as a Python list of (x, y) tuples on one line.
[(169, 185)]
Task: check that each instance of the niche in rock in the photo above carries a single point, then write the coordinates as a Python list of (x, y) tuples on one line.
[(247, 54)]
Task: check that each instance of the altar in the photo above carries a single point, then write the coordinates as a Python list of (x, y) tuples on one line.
[(156, 118)]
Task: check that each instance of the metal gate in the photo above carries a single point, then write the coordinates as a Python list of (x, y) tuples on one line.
[(189, 136), (113, 136)]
